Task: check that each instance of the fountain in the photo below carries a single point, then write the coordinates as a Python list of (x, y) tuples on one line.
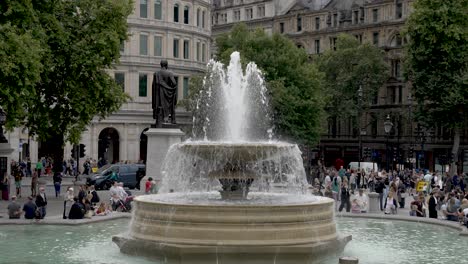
[(219, 200)]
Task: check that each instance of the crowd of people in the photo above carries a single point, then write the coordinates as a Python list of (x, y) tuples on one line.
[(431, 194)]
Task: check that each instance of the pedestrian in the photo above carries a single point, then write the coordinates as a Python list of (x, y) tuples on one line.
[(34, 181), (6, 187), (17, 173), (14, 209), (433, 205), (57, 183), (68, 200), (345, 197), (29, 208), (148, 185), (41, 202), (379, 188), (39, 167)]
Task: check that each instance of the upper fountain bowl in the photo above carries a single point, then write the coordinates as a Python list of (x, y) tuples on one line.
[(236, 151)]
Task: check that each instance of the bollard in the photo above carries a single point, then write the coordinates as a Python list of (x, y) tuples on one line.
[(374, 203), (348, 260)]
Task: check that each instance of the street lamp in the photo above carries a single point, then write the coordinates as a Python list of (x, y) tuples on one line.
[(2, 123), (388, 125), (359, 124), (410, 120)]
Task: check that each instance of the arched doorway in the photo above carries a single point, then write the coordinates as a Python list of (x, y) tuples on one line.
[(143, 145), (109, 145)]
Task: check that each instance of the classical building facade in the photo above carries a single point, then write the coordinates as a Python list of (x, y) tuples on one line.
[(314, 25), (176, 30)]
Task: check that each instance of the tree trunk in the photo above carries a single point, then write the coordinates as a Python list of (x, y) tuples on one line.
[(455, 147), (55, 145)]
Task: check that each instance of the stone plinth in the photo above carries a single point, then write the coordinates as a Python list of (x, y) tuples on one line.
[(374, 204), (159, 142), (189, 233), (5, 157)]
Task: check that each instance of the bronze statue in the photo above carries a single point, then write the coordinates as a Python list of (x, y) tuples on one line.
[(164, 96)]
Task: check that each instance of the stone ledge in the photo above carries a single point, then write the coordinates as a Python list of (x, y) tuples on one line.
[(58, 220), (439, 222)]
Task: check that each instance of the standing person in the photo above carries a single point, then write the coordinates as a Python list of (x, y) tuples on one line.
[(433, 205), (379, 188), (34, 181), (391, 204), (14, 209), (17, 173), (154, 187), (69, 195), (39, 167), (28, 168), (148, 185), (41, 202), (6, 188), (362, 200), (57, 183), (352, 181), (345, 197)]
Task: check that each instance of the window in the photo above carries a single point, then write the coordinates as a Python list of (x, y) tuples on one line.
[(236, 15), (198, 51), (186, 15), (143, 44), (186, 87), (143, 85), (122, 46), (398, 40), (396, 68), (198, 17), (143, 8), (120, 79), (359, 38), (157, 46), (317, 23), (333, 43), (248, 13), (356, 17), (186, 49), (317, 46), (157, 9), (203, 19), (335, 20), (261, 11), (281, 27), (400, 94), (176, 13), (375, 38), (399, 10), (375, 15), (203, 52), (299, 23), (391, 96), (176, 48)]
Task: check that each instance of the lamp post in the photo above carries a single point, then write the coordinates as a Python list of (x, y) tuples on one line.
[(2, 123), (359, 125), (411, 148), (388, 125)]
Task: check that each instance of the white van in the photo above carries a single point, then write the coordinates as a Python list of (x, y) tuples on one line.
[(368, 166)]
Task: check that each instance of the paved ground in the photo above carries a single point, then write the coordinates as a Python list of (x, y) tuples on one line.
[(54, 205)]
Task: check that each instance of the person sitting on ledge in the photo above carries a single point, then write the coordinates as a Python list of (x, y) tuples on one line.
[(29, 208), (102, 209), (14, 209), (77, 210)]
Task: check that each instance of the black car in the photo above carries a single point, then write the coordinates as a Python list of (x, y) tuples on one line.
[(129, 174)]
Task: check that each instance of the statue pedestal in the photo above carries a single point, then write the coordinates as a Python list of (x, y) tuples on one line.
[(374, 203), (5, 159), (159, 142)]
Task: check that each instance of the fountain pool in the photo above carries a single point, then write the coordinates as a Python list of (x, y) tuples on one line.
[(374, 241)]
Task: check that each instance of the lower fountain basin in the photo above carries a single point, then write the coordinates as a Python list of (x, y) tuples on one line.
[(201, 227)]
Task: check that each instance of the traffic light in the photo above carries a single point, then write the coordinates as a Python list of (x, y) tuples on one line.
[(367, 152), (82, 150), (73, 152)]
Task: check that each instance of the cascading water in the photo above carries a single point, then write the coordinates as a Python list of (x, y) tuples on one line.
[(232, 152)]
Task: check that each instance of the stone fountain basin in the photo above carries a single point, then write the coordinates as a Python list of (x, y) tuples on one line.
[(163, 225), (236, 151)]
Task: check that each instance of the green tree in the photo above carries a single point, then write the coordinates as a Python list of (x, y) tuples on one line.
[(436, 64), (74, 44), (294, 83), (351, 66)]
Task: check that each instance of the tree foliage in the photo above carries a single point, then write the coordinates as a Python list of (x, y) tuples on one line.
[(437, 59), (56, 80), (350, 66), (294, 84)]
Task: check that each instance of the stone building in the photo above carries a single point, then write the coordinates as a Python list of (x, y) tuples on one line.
[(314, 25), (176, 30)]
